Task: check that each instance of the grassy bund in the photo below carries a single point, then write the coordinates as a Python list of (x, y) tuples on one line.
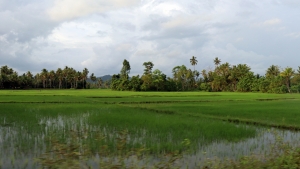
[(51, 127)]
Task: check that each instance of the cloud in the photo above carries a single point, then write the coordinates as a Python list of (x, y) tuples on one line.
[(70, 9), (185, 21), (231, 54), (272, 22), (100, 34), (294, 35)]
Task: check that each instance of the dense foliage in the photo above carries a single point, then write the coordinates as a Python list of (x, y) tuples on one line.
[(224, 77), (61, 78)]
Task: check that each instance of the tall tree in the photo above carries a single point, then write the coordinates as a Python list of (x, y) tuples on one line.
[(29, 79), (85, 73), (125, 70), (182, 76), (6, 74), (5, 70), (14, 80), (193, 61), (99, 82), (37, 79), (93, 77), (65, 75), (237, 73), (147, 76), (272, 71), (29, 74), (77, 77), (287, 74), (51, 77), (71, 77), (148, 67), (59, 76), (44, 76), (158, 79), (217, 61)]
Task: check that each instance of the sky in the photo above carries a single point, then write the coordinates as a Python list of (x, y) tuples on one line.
[(100, 34)]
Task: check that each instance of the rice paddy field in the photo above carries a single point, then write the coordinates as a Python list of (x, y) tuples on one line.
[(104, 128)]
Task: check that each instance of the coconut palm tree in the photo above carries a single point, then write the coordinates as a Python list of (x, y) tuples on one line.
[(193, 61), (37, 78), (272, 71), (196, 74), (93, 77), (71, 76), (77, 78), (51, 76), (100, 81), (85, 73), (217, 61), (5, 70), (65, 73), (29, 78), (29, 74), (287, 74), (59, 75), (44, 77)]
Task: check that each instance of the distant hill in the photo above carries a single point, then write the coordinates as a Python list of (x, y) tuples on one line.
[(104, 78)]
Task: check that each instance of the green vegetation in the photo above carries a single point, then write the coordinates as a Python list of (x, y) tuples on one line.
[(224, 77), (157, 123)]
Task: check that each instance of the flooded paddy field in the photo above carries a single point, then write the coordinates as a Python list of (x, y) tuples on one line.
[(103, 128)]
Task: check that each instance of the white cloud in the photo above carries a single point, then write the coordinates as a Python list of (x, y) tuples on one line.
[(272, 22), (41, 34), (229, 53), (294, 35), (239, 39), (182, 21), (69, 9)]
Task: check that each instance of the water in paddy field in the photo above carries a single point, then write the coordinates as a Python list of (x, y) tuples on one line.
[(260, 145), (19, 147)]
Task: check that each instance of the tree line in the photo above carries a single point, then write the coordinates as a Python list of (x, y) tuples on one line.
[(224, 77), (64, 78)]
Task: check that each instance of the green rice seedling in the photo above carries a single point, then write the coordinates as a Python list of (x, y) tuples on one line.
[(156, 120)]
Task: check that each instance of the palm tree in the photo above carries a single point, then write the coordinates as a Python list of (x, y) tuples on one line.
[(85, 73), (217, 61), (5, 70), (65, 75), (29, 78), (51, 76), (37, 78), (193, 61), (196, 74), (14, 80), (44, 76), (29, 74), (93, 77), (272, 71), (77, 78), (100, 81), (71, 76), (287, 74), (59, 75)]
